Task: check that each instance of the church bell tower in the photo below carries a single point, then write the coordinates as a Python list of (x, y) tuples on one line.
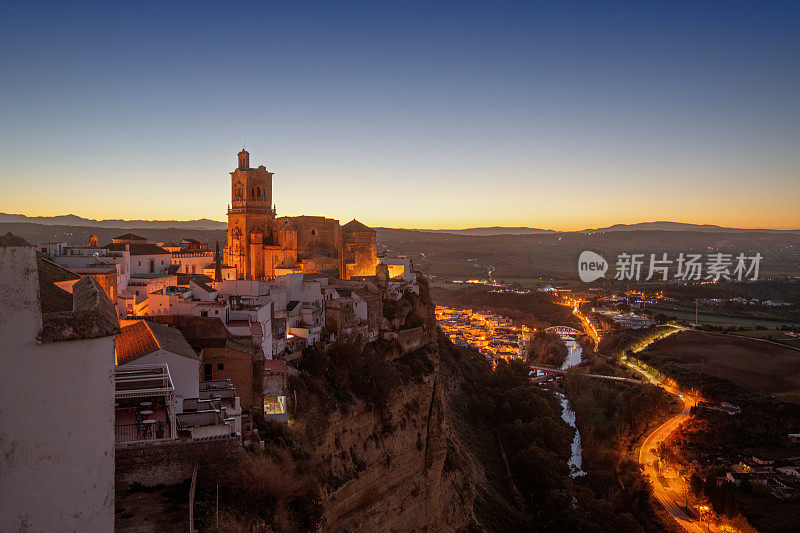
[(251, 218)]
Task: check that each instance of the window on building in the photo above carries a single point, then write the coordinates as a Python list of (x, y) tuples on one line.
[(220, 366), (274, 405)]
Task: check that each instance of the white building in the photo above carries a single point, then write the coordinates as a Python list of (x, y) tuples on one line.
[(191, 262), (198, 299), (197, 412), (57, 415), (400, 268), (145, 343), (145, 257)]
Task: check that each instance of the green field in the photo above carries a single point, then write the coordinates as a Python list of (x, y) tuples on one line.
[(710, 319), (776, 336)]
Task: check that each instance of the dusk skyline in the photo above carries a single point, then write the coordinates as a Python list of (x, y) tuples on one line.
[(560, 117)]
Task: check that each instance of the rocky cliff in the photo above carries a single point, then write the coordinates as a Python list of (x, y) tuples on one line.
[(395, 467), (388, 468)]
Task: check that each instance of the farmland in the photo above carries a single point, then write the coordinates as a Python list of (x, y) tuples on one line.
[(752, 364)]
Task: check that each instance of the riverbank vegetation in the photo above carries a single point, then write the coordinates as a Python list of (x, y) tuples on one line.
[(546, 349), (611, 417), (512, 434), (621, 342)]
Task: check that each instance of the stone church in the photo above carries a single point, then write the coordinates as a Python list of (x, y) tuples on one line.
[(261, 246)]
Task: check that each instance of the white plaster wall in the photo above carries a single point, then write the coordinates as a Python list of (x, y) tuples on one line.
[(312, 293), (186, 263), (359, 307), (207, 432), (293, 284), (56, 416), (144, 268), (185, 372), (242, 287)]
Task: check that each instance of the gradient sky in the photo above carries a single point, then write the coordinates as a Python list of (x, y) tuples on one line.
[(560, 115)]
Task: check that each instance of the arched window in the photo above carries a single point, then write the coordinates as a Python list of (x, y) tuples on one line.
[(258, 191), (252, 193)]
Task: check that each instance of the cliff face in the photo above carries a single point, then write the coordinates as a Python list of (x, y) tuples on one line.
[(400, 481), (388, 469)]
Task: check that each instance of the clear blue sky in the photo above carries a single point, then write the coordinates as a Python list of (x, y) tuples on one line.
[(547, 114)]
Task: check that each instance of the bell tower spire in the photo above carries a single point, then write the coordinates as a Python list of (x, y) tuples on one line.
[(244, 159), (251, 222)]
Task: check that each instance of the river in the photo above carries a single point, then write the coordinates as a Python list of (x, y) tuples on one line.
[(574, 352)]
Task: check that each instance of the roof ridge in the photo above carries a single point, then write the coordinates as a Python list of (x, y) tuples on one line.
[(153, 334)]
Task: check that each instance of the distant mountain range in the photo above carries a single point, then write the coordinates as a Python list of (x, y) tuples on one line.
[(207, 224), (493, 230), (680, 226), (75, 220), (641, 226)]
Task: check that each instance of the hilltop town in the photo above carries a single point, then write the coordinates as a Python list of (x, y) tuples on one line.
[(200, 344)]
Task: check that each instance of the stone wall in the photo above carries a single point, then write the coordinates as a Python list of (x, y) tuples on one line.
[(316, 235), (238, 367), (169, 463), (408, 339)]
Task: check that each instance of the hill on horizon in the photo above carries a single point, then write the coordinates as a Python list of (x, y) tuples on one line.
[(639, 226), (75, 220), (546, 254), (205, 224), (487, 231), (663, 225)]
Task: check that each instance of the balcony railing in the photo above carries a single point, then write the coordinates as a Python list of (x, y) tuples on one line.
[(201, 404), (200, 418), (216, 384), (140, 432), (143, 380)]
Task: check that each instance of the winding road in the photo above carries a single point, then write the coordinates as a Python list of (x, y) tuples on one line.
[(668, 491)]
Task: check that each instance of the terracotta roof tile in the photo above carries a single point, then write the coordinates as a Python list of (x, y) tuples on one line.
[(92, 315), (203, 286), (53, 299), (137, 340), (131, 237), (357, 227)]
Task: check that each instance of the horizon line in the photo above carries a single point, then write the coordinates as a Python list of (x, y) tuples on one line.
[(431, 229)]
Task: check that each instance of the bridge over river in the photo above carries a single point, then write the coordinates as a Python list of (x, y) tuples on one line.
[(557, 371), (565, 331)]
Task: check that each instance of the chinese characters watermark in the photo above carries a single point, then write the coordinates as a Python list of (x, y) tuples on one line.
[(684, 267)]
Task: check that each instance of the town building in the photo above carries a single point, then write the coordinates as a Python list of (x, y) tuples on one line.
[(145, 257), (180, 404), (275, 387), (57, 415), (261, 246)]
